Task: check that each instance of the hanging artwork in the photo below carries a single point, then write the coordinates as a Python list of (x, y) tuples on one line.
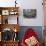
[(29, 13)]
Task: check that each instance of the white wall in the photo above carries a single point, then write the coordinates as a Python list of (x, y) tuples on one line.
[(27, 4), (32, 4)]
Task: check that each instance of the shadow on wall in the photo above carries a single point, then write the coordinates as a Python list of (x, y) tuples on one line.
[(37, 29)]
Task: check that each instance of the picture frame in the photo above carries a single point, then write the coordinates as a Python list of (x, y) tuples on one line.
[(29, 13), (13, 12), (5, 12)]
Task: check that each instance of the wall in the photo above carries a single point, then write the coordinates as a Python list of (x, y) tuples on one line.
[(32, 4), (27, 4)]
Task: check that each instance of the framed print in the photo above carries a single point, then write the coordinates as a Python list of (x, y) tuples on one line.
[(5, 12), (29, 13), (13, 12)]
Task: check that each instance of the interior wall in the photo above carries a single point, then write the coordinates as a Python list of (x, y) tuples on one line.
[(31, 4), (27, 4)]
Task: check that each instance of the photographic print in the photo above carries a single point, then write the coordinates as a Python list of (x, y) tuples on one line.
[(5, 12), (29, 13)]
